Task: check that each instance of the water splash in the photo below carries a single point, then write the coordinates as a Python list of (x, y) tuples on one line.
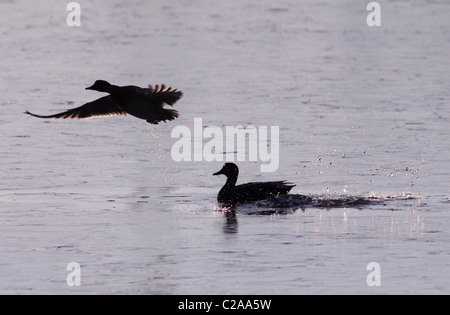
[(318, 201), (287, 204)]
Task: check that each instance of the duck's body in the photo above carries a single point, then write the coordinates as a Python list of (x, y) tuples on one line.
[(143, 103), (232, 194)]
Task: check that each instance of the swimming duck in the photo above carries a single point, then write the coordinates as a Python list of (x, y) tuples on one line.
[(144, 103), (231, 194)]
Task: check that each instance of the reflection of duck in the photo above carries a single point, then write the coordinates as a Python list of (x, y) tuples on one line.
[(142, 103), (232, 194), (231, 223)]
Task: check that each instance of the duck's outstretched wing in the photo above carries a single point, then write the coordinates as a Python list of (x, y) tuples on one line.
[(162, 96), (104, 106)]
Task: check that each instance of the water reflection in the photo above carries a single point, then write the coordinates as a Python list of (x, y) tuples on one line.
[(231, 222), (290, 204)]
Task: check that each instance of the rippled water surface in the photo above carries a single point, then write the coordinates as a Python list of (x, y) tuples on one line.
[(364, 119)]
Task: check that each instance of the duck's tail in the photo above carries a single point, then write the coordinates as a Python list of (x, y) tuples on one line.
[(164, 115)]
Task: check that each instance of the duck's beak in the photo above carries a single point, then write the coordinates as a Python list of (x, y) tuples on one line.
[(219, 172), (222, 171), (89, 88)]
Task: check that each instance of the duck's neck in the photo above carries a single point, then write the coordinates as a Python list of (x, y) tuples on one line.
[(112, 89), (231, 182)]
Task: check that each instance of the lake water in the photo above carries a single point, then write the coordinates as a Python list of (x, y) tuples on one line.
[(363, 112)]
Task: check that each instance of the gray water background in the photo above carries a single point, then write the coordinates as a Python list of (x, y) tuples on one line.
[(363, 112)]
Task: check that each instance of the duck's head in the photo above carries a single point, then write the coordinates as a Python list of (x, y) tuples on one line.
[(100, 85), (229, 170)]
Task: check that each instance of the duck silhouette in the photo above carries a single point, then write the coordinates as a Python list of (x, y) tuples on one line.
[(144, 103), (230, 194)]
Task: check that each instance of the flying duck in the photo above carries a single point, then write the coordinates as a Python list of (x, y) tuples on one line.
[(231, 194), (145, 103)]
